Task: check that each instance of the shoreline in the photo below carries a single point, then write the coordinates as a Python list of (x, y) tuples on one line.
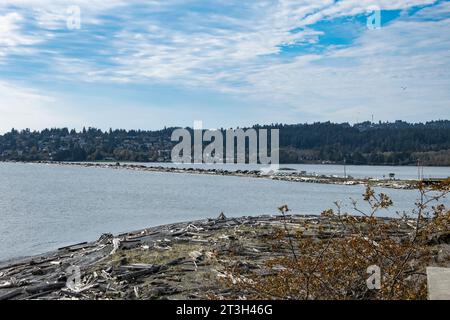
[(186, 260), (45, 275), (281, 175)]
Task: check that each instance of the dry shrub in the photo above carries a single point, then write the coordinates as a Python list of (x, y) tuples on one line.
[(334, 263)]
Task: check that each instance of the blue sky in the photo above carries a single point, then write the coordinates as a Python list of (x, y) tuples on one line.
[(149, 64)]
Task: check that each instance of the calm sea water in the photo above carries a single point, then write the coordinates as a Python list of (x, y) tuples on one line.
[(43, 207)]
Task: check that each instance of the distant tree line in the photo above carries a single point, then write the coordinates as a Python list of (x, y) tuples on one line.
[(398, 143), (389, 143)]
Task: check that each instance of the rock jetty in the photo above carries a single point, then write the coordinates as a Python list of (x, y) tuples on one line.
[(280, 175)]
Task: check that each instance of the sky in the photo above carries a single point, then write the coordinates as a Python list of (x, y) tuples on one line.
[(147, 64)]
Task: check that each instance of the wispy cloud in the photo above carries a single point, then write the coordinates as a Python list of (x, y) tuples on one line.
[(398, 70), (277, 54), (12, 39)]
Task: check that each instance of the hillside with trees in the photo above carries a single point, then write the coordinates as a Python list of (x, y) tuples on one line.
[(388, 143)]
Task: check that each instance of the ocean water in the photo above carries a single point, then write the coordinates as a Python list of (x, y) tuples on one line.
[(43, 207)]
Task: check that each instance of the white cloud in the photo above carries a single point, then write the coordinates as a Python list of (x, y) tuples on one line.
[(334, 9), (439, 11), (238, 52), (51, 13), (12, 39), (207, 43), (398, 71), (201, 55)]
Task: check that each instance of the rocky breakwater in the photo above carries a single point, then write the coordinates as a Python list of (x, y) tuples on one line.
[(281, 175)]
